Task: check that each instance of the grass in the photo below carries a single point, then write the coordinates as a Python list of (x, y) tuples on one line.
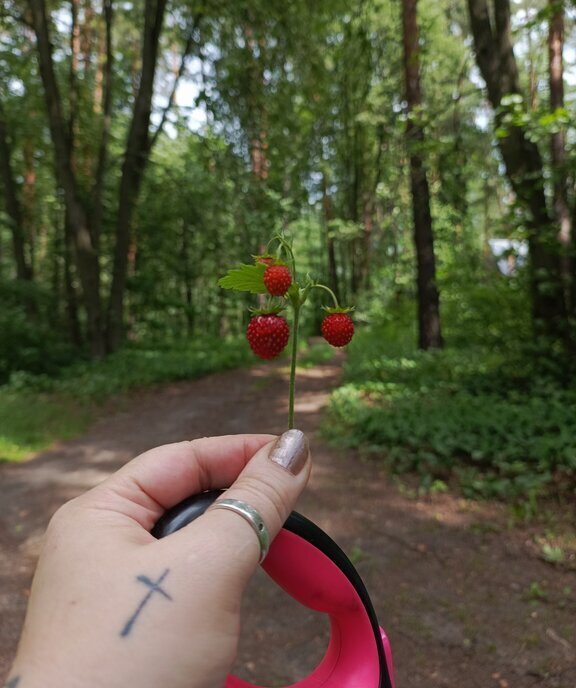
[(30, 422), (37, 410)]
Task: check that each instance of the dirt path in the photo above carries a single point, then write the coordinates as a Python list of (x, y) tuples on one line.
[(466, 601)]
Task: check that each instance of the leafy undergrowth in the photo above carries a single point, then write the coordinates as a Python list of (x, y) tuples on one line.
[(478, 417), (36, 410), (314, 353)]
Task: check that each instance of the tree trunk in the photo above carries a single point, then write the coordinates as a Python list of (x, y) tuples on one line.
[(357, 174), (135, 159), (28, 201), (86, 35), (258, 116), (13, 205), (370, 213), (330, 248), (178, 74), (102, 105), (429, 330), (86, 255), (187, 279), (557, 145), (524, 166), (72, 317), (73, 73)]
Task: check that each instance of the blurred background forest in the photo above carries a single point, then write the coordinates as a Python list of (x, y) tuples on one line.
[(421, 156)]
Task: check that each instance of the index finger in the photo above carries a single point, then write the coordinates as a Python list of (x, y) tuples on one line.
[(160, 478)]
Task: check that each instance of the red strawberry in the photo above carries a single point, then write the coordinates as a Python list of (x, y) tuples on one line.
[(267, 335), (337, 329), (277, 279)]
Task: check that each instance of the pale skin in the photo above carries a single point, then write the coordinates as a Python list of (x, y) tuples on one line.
[(112, 607)]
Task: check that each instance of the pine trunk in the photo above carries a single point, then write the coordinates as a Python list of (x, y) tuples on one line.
[(86, 255), (558, 147), (13, 205), (135, 159), (429, 329), (330, 248), (524, 166)]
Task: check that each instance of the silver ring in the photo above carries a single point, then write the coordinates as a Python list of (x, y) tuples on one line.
[(250, 515)]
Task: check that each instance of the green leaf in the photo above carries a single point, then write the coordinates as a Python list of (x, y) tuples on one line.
[(245, 278), (511, 99)]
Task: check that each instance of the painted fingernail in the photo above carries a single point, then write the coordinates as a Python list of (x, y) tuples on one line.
[(291, 451)]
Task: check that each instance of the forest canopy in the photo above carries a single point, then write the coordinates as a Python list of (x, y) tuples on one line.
[(146, 145)]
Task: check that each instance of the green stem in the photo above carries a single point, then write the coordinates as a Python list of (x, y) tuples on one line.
[(332, 294), (293, 365), (288, 250)]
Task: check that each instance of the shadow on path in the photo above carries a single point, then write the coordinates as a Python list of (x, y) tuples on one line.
[(450, 583)]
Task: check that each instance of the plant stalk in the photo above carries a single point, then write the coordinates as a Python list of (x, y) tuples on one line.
[(293, 365), (332, 294)]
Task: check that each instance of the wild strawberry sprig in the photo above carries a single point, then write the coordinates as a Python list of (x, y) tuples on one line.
[(268, 331)]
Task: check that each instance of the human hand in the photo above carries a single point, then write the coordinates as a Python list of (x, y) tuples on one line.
[(111, 606)]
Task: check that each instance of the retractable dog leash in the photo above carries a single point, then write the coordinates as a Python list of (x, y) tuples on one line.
[(309, 566)]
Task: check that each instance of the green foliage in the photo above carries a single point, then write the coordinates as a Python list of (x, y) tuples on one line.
[(36, 410), (138, 366), (476, 415), (534, 593), (538, 123), (356, 554), (315, 354), (553, 554), (248, 278), (479, 306), (28, 337)]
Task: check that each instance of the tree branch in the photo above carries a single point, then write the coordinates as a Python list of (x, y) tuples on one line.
[(507, 68), (185, 54), (52, 93), (484, 46)]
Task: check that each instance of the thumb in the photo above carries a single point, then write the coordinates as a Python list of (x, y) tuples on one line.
[(270, 483)]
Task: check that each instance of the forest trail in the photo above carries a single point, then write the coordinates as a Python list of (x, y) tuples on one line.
[(466, 601)]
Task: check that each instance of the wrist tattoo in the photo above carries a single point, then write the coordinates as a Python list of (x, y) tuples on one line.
[(13, 682), (153, 586)]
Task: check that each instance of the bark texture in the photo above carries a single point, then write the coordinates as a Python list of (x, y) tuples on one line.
[(429, 328), (524, 165), (13, 204), (135, 159), (86, 254), (333, 281), (558, 147)]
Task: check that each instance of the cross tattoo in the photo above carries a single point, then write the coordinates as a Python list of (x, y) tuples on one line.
[(154, 586)]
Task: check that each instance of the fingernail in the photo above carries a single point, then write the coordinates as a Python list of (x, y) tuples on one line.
[(291, 451)]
